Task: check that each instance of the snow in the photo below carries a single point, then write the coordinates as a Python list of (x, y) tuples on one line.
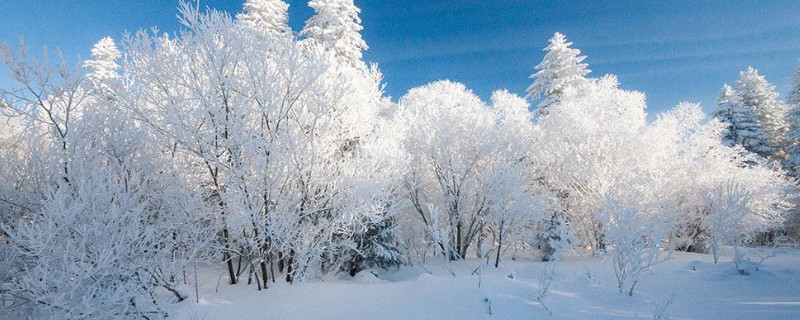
[(690, 284)]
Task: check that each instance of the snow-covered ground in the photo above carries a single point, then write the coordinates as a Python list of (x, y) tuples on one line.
[(686, 286)]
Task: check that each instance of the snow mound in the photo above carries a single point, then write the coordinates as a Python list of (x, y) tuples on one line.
[(367, 276)]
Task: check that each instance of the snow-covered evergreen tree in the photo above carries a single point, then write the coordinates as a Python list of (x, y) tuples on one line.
[(755, 92), (336, 26), (269, 16), (793, 98), (374, 248), (742, 125), (792, 164), (561, 67), (104, 66)]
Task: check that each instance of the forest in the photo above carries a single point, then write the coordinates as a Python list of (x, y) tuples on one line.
[(274, 156)]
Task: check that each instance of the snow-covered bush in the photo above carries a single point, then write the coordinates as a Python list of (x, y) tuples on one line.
[(98, 248), (636, 237), (112, 230)]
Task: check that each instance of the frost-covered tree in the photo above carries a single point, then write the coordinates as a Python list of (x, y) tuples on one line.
[(277, 139), (727, 207), (446, 130), (20, 185), (111, 225), (561, 67), (586, 147), (756, 93), (689, 161), (793, 97), (337, 27), (51, 98), (104, 66), (742, 125), (268, 16), (468, 172), (517, 203), (792, 163), (595, 144), (374, 248)]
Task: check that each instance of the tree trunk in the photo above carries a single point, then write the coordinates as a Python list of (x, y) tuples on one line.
[(280, 262), (227, 256), (289, 263), (458, 241), (264, 275), (499, 246)]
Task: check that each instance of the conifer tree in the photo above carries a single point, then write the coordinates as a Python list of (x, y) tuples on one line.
[(756, 93), (561, 67), (104, 65), (269, 16), (336, 26), (792, 164), (742, 125)]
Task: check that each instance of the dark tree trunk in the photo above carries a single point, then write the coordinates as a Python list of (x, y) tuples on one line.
[(499, 246), (227, 257), (289, 263), (264, 275)]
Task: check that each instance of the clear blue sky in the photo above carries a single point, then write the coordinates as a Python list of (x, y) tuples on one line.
[(671, 50)]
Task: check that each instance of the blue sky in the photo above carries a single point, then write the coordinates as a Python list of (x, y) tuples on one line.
[(672, 50)]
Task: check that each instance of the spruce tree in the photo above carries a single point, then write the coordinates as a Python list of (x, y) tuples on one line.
[(268, 16), (756, 93), (743, 127), (104, 66), (374, 247), (792, 164), (561, 67), (336, 26)]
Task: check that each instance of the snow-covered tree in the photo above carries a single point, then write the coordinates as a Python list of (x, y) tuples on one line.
[(374, 248), (111, 223), (50, 97), (793, 152), (561, 67), (519, 205), (742, 125), (689, 161), (446, 133), (104, 66), (277, 138), (792, 163), (268, 16), (19, 183), (727, 207), (336, 26), (756, 93), (468, 171), (586, 147)]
